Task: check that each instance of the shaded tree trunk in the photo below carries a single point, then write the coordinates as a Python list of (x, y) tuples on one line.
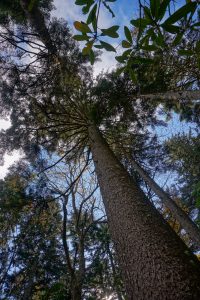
[(155, 263), (178, 213), (175, 96), (37, 21)]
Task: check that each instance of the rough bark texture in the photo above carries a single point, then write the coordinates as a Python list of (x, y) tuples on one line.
[(177, 212), (155, 263)]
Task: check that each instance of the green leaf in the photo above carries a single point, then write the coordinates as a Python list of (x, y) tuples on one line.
[(178, 39), (195, 25), (121, 59), (154, 5), (86, 50), (133, 75), (162, 9), (185, 52), (111, 32), (126, 53), (148, 15), (81, 2), (128, 34), (126, 44), (99, 46), (140, 23), (86, 8), (107, 46), (181, 12), (92, 14), (83, 27), (160, 41), (171, 28), (120, 70), (124, 56), (83, 37), (150, 47), (92, 57)]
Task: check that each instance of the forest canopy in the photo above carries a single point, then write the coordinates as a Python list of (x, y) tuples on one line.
[(105, 200)]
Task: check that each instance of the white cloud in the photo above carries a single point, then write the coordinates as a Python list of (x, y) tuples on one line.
[(10, 158), (67, 10), (107, 63)]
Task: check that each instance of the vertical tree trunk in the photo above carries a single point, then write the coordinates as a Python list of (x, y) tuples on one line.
[(178, 213), (155, 263)]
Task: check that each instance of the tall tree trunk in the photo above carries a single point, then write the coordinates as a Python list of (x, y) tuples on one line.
[(37, 21), (178, 213), (155, 263)]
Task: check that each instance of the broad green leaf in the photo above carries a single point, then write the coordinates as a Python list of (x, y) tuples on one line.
[(163, 8), (148, 15), (154, 5), (111, 32), (121, 59), (160, 41), (178, 39), (126, 44), (81, 2), (140, 23), (171, 28), (87, 7), (181, 12), (83, 37), (195, 25), (151, 33), (86, 50), (186, 52), (128, 34), (92, 57), (92, 14), (99, 46), (124, 56), (83, 27), (126, 53), (107, 46), (149, 47)]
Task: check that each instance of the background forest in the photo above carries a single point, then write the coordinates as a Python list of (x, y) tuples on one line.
[(104, 202)]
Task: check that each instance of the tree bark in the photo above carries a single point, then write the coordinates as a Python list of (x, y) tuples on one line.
[(178, 213), (155, 262), (37, 21)]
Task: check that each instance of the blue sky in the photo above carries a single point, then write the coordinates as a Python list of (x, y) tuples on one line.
[(125, 10)]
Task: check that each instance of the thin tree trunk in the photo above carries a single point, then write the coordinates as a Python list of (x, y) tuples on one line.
[(178, 213), (181, 95), (155, 262)]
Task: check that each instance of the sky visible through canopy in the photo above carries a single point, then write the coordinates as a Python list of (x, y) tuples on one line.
[(125, 10)]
